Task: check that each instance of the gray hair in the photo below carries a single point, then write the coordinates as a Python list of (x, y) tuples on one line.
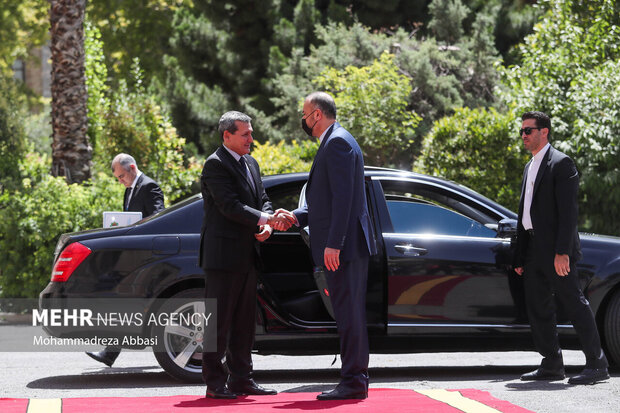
[(228, 121), (124, 160), (324, 102)]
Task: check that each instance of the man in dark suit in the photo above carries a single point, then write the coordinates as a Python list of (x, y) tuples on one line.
[(547, 252), (341, 237), (142, 194), (237, 214)]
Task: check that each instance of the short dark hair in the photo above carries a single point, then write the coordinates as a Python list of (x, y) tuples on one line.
[(542, 120), (324, 102), (229, 119)]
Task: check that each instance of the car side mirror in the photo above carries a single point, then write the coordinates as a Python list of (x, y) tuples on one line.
[(507, 228)]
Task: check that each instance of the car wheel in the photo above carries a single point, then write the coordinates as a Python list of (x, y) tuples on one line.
[(179, 349), (612, 329)]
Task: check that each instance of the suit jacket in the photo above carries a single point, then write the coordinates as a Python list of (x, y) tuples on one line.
[(232, 208), (147, 197), (554, 210), (336, 209)]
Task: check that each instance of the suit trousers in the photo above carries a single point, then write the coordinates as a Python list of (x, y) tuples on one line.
[(347, 287), (541, 284), (236, 325)]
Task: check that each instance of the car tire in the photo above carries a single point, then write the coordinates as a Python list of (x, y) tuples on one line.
[(612, 329), (182, 365)]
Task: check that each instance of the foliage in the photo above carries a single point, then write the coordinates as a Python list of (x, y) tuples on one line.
[(134, 29), (12, 134), (23, 25), (136, 124), (478, 148), (379, 90), (282, 158), (33, 216), (569, 69), (38, 128), (96, 74), (447, 19), (441, 78)]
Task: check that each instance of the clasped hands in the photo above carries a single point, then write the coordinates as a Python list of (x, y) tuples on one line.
[(281, 220)]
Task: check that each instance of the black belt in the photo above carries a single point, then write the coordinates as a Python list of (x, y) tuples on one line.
[(530, 232)]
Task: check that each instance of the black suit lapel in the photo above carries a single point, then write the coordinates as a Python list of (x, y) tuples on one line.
[(523, 186), (230, 161), (136, 188), (541, 170), (255, 177)]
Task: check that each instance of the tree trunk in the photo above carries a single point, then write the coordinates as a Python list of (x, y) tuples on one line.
[(71, 150)]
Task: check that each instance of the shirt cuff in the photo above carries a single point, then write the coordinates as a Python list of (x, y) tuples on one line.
[(264, 217)]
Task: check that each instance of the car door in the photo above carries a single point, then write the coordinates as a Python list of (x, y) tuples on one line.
[(446, 264)]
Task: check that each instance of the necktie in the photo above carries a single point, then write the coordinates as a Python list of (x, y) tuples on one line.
[(246, 172), (129, 198)]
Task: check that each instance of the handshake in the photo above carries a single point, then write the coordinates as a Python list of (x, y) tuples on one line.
[(281, 220)]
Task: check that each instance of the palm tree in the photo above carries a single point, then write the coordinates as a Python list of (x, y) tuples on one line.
[(71, 150)]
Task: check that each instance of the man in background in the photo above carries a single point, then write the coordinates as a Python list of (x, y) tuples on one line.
[(142, 194)]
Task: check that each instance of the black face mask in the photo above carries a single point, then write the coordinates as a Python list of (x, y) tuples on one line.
[(305, 127)]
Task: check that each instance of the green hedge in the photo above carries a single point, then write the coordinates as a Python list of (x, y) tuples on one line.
[(34, 216), (480, 149)]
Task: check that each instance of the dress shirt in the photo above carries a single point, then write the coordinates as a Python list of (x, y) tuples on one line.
[(264, 217), (532, 172)]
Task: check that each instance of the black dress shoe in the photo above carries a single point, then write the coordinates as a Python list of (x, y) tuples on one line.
[(544, 374), (250, 387), (589, 376), (220, 393), (338, 394), (105, 356)]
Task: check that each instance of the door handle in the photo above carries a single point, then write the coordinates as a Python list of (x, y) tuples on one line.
[(408, 249)]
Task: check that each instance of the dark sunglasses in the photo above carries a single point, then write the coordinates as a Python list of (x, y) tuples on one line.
[(527, 130)]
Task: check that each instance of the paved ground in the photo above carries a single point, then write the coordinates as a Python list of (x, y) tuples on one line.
[(136, 373)]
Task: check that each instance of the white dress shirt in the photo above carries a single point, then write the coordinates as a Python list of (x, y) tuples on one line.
[(532, 172)]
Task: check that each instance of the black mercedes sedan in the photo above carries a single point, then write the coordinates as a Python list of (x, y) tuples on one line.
[(442, 280)]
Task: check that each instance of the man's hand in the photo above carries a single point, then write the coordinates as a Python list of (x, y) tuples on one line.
[(278, 222), (331, 257), (519, 270), (282, 219), (562, 264), (265, 232)]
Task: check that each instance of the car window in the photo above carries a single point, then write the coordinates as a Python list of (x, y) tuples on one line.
[(286, 197), (425, 218), (419, 208)]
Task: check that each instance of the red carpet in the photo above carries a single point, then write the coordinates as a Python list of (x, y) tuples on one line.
[(379, 400)]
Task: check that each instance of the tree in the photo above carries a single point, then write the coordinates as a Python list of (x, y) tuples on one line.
[(134, 29), (12, 135), (478, 148), (23, 25), (377, 89), (71, 150)]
